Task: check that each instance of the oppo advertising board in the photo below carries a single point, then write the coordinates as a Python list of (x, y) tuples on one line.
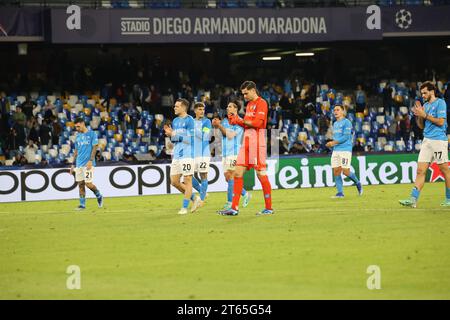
[(113, 181), (136, 180)]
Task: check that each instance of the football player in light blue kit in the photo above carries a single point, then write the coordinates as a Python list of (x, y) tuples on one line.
[(232, 136), (432, 118), (341, 157), (182, 135), (85, 148), (202, 152)]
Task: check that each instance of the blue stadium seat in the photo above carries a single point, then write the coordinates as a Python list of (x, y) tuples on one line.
[(413, 2), (375, 127), (154, 4), (96, 112), (143, 148), (265, 3), (123, 4), (410, 145), (351, 117), (102, 129), (110, 134), (358, 127), (127, 141), (228, 4)]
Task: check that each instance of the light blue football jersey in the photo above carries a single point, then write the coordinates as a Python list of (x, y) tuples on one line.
[(230, 147), (84, 143), (183, 138), (342, 132), (436, 109), (202, 137)]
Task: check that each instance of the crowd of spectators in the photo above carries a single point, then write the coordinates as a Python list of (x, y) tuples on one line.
[(301, 110)]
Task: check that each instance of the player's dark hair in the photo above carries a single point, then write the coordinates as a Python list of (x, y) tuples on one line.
[(237, 103), (199, 105), (248, 85), (184, 102), (429, 85), (79, 120), (344, 110)]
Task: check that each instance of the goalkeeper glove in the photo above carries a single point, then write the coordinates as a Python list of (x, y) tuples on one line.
[(235, 119)]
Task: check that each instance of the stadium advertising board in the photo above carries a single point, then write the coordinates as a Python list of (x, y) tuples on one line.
[(76, 25), (316, 172), (114, 181), (285, 173), (401, 21)]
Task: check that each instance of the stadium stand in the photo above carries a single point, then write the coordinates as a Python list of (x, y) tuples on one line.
[(37, 122), (40, 126), (173, 4)]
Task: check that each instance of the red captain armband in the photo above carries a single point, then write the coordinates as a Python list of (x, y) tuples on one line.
[(235, 119)]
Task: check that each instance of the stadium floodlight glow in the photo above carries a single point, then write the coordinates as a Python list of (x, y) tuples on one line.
[(271, 58), (304, 54), (240, 53), (206, 49), (448, 47)]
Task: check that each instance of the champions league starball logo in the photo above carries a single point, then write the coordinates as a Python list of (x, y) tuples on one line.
[(403, 19)]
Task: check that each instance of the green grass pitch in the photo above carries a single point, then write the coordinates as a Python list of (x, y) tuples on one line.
[(314, 247)]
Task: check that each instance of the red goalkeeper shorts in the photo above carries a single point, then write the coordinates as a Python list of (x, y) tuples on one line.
[(253, 153)]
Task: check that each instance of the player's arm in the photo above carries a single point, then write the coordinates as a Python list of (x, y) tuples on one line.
[(437, 121), (441, 113), (172, 134), (198, 132), (222, 129), (204, 133), (92, 157), (176, 137), (235, 133), (207, 130), (230, 134), (75, 155), (256, 123), (420, 122), (419, 112), (190, 131)]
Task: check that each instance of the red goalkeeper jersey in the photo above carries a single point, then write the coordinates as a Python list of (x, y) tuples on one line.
[(256, 112), (254, 147)]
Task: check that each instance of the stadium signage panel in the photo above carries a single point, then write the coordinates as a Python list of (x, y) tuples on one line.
[(113, 181), (222, 26), (197, 25), (316, 172), (284, 173), (401, 21)]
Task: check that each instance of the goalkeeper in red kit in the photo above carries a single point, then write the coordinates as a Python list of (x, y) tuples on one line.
[(253, 150)]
